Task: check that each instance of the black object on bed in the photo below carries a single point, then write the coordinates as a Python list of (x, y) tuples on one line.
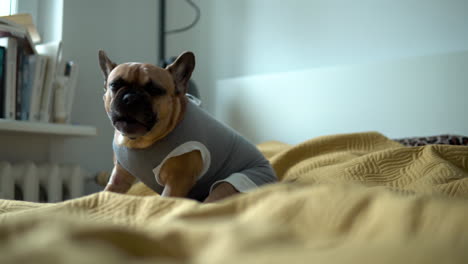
[(431, 140)]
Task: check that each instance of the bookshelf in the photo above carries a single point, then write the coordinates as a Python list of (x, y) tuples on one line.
[(46, 128), (36, 86)]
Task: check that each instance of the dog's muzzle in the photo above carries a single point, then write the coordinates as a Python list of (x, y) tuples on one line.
[(132, 114)]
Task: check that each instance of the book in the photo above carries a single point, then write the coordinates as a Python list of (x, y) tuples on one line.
[(38, 68), (17, 41), (22, 20), (22, 80), (20, 26), (11, 46), (20, 33), (2, 83), (64, 92), (26, 87), (53, 51)]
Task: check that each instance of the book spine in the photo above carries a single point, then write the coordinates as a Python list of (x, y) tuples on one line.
[(34, 64), (53, 51), (10, 80), (27, 86), (2, 81), (20, 81), (38, 84)]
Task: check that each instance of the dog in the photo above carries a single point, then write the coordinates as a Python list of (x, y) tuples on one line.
[(168, 142)]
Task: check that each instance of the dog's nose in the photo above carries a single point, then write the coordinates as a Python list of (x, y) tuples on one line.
[(130, 98)]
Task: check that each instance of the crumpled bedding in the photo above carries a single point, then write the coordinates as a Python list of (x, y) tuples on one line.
[(354, 198)]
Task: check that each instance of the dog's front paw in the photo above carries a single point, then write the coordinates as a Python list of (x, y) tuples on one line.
[(221, 191)]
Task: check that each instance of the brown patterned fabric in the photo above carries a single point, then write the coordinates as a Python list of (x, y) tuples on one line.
[(432, 140)]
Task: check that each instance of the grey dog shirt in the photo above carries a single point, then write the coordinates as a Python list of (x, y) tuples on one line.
[(226, 155)]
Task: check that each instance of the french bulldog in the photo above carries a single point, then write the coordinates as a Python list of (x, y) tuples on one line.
[(169, 143)]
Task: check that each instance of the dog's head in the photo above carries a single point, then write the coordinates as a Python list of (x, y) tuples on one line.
[(145, 102)]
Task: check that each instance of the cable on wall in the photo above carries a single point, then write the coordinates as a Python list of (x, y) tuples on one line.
[(191, 25)]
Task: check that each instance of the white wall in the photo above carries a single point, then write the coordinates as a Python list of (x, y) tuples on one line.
[(417, 96), (248, 37), (47, 16)]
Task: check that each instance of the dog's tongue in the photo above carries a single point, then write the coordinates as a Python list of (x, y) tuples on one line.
[(131, 129)]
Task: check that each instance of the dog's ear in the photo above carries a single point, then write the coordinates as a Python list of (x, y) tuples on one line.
[(106, 64), (181, 70)]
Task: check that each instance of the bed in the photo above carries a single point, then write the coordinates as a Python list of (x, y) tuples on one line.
[(350, 198), (361, 197)]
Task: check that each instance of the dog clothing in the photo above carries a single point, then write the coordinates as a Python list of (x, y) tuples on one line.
[(227, 156)]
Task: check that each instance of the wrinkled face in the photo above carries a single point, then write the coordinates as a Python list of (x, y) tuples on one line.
[(144, 101), (138, 96)]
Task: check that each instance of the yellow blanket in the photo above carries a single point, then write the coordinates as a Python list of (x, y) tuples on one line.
[(357, 198)]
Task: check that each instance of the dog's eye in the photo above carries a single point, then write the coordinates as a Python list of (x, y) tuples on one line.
[(154, 90), (115, 85)]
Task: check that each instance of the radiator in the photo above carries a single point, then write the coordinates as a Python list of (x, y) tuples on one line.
[(41, 182)]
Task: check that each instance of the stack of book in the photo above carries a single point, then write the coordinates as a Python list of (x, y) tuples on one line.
[(35, 84)]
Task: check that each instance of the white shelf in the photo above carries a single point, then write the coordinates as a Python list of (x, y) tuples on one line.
[(46, 128)]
